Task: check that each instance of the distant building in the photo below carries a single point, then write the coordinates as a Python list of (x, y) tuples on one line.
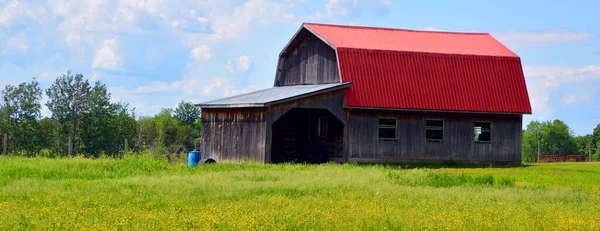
[(377, 95)]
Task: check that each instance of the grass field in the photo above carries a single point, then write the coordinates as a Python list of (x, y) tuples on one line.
[(140, 193)]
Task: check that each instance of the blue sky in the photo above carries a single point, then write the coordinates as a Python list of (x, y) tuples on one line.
[(154, 53)]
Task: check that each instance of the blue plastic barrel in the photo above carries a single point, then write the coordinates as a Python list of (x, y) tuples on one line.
[(193, 158)]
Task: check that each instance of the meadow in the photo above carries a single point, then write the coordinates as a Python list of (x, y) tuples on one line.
[(143, 193)]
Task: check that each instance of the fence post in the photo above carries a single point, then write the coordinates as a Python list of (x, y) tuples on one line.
[(539, 144), (70, 148), (5, 147), (590, 149), (126, 146)]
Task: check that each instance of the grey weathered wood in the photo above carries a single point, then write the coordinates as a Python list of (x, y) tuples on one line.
[(539, 148), (458, 143), (126, 146), (234, 135), (70, 148), (589, 149), (5, 146), (311, 61)]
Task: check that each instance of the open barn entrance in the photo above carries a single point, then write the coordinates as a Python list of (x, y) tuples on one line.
[(307, 136)]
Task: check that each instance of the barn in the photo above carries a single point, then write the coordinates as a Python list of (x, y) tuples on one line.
[(377, 95)]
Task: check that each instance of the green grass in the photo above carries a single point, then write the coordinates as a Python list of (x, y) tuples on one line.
[(141, 193)]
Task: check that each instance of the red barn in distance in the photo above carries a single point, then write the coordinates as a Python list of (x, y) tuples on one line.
[(377, 95)]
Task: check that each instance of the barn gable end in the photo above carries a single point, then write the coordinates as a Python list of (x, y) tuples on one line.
[(308, 60)]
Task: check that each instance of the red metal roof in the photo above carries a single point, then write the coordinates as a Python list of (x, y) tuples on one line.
[(407, 69)]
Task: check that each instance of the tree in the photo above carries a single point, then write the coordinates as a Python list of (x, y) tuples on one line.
[(555, 136), (20, 109), (596, 139), (582, 144), (186, 113), (68, 101)]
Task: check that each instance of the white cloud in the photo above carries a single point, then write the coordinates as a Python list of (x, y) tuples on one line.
[(535, 39), (44, 75), (158, 86), (341, 8), (241, 65), (543, 80), (106, 57), (201, 53), (568, 99), (18, 43)]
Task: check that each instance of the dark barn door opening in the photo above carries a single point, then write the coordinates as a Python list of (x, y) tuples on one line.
[(307, 136)]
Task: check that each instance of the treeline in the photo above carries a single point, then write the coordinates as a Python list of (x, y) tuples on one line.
[(555, 137), (83, 120)]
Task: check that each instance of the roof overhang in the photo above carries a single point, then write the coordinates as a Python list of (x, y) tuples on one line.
[(272, 96)]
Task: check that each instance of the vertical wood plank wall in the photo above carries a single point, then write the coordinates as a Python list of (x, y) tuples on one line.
[(310, 62), (363, 145), (234, 135)]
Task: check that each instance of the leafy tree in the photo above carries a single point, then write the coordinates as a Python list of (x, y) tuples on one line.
[(596, 139), (147, 133), (20, 109), (186, 113), (582, 144), (556, 138), (68, 101)]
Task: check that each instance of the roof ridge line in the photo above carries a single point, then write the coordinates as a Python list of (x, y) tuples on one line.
[(431, 53), (398, 29)]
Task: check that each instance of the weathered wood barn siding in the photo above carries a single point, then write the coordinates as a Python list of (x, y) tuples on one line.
[(363, 144), (311, 61), (236, 134), (332, 101)]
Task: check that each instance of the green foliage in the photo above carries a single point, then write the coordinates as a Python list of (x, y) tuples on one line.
[(85, 113), (556, 138), (20, 108), (186, 113), (68, 101), (596, 139)]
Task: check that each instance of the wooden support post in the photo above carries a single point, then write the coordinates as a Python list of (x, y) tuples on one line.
[(539, 147), (590, 149), (195, 144), (70, 148), (126, 147), (5, 147)]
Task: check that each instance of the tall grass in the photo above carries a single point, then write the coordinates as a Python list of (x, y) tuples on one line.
[(141, 192), (439, 178)]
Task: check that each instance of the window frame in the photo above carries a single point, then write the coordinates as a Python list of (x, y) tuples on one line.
[(322, 125), (490, 131), (427, 128), (395, 127)]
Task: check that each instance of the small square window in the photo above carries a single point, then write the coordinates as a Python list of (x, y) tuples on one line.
[(387, 128), (434, 129), (483, 131)]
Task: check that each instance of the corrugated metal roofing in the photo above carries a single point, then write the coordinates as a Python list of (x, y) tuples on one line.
[(269, 96), (373, 38), (404, 69)]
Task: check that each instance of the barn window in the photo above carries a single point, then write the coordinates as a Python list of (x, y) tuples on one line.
[(322, 127), (387, 128), (483, 131), (434, 130)]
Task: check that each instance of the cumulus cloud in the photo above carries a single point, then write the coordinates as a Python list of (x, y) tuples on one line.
[(106, 57), (536, 39), (201, 53), (242, 64), (544, 80), (18, 43)]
